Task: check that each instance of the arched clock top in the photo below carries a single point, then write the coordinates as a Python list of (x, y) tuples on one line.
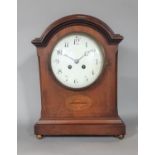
[(77, 19)]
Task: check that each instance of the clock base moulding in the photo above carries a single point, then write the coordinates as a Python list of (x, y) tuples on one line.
[(89, 127)]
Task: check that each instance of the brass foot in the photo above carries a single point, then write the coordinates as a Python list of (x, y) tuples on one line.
[(120, 136), (39, 136)]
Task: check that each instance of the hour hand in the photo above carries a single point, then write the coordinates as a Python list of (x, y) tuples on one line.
[(76, 61), (69, 57)]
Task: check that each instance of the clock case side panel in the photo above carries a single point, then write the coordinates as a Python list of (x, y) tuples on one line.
[(42, 85)]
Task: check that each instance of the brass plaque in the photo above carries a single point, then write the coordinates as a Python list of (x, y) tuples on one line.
[(78, 102)]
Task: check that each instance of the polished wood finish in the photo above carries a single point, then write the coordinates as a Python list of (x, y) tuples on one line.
[(87, 111), (78, 19)]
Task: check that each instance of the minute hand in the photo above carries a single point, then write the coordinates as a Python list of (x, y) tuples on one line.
[(85, 54)]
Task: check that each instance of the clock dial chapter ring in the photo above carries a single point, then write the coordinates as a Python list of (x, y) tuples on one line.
[(81, 64)]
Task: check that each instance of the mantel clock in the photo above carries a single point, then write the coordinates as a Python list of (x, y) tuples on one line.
[(78, 78)]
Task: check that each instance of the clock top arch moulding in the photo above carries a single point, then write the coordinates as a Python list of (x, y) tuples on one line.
[(77, 19)]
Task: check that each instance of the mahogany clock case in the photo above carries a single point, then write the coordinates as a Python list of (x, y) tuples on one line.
[(88, 111)]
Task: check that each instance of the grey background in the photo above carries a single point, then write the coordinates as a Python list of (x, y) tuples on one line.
[(33, 17)]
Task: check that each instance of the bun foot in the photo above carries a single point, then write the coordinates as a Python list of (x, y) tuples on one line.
[(39, 136), (120, 136)]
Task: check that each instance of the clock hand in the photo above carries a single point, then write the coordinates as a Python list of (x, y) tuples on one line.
[(85, 54), (81, 57), (89, 51), (76, 61), (69, 57)]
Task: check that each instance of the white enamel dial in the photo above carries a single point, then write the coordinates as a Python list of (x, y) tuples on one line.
[(77, 60)]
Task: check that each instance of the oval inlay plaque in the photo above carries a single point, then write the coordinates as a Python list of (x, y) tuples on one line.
[(78, 102)]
